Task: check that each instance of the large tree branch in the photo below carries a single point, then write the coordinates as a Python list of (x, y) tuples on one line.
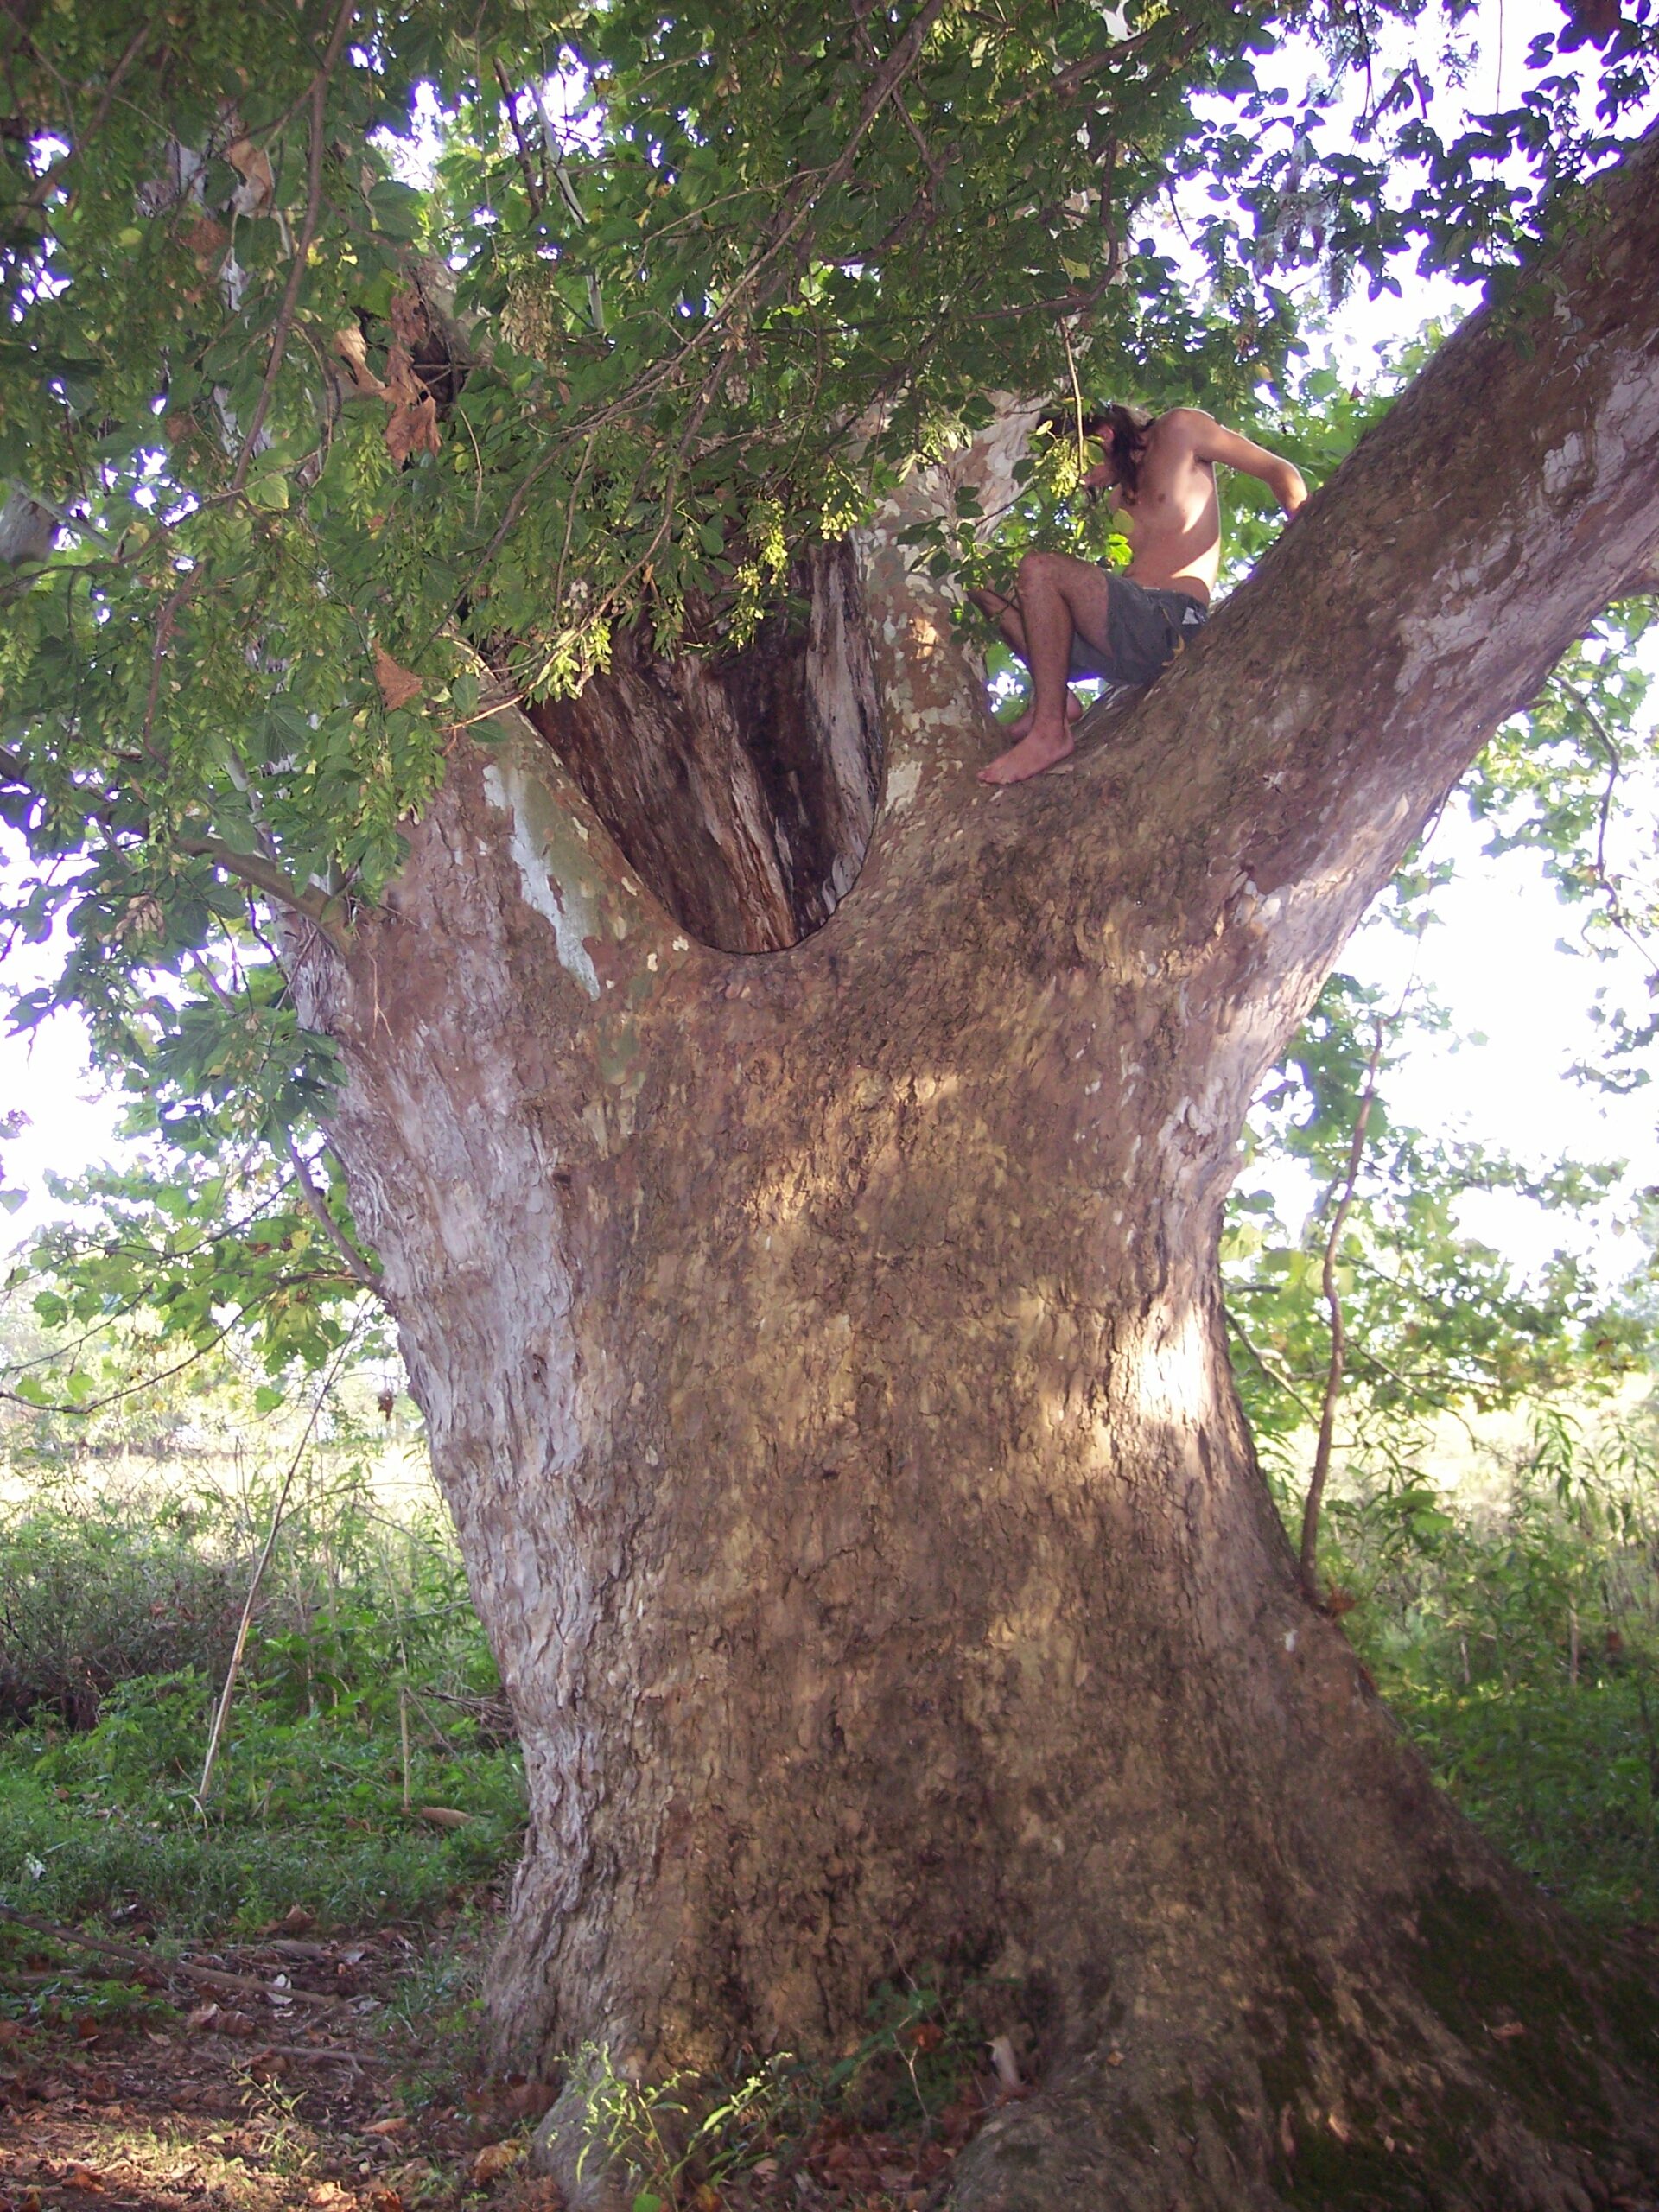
[(264, 875), (1270, 783), (1472, 538)]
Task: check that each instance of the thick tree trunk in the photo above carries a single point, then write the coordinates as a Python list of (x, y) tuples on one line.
[(823, 1359)]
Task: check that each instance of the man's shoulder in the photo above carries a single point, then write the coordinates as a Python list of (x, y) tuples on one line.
[(1184, 425)]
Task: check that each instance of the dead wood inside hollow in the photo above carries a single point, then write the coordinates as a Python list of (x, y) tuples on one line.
[(742, 787)]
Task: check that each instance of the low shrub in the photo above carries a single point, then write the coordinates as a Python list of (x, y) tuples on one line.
[(93, 1598)]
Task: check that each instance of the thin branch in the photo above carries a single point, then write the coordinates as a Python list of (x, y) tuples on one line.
[(1067, 80), (151, 1382), (222, 1709), (356, 1264), (572, 200), (46, 184), (302, 245), (533, 188), (929, 161), (1604, 883), (264, 875), (1275, 1374), (148, 1381), (165, 623), (1338, 1338)]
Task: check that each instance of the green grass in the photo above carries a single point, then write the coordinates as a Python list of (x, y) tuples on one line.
[(367, 1693), (308, 1813), (1514, 1627), (1562, 1778)]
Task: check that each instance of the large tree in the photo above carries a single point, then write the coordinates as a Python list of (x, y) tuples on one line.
[(795, 1170)]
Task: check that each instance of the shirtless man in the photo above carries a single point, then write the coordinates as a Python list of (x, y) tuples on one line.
[(1071, 618)]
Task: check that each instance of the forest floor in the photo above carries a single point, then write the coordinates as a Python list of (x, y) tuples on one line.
[(369, 1806), (114, 2099)]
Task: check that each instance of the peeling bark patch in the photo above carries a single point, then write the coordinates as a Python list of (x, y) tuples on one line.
[(575, 918), (903, 785)]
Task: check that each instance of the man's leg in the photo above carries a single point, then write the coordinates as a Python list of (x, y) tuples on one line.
[(996, 607), (1059, 598)]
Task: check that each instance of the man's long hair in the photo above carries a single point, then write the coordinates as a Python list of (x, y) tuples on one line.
[(1122, 431)]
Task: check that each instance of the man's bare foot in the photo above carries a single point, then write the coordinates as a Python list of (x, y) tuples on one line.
[(1020, 725), (1036, 750)]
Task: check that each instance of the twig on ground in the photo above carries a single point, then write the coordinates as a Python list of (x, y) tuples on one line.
[(319, 2054), (210, 1977)]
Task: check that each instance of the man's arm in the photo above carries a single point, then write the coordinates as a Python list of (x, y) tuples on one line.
[(1211, 440)]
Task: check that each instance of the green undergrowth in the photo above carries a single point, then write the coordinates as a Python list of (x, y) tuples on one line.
[(368, 1775), (1562, 1779), (1512, 1623), (310, 1817), (902, 2101)]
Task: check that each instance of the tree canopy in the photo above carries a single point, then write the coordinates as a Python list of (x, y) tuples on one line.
[(359, 361)]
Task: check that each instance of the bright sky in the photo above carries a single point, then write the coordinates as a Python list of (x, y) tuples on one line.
[(1494, 964)]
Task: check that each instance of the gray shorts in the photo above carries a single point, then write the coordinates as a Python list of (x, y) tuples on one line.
[(1145, 630)]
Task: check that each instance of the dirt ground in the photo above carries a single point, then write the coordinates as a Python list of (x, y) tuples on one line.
[(232, 2101)]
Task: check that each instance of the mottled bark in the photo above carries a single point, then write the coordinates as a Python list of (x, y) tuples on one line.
[(823, 1362)]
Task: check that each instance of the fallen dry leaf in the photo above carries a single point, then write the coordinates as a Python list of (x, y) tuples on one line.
[(258, 186), (9, 2032), (493, 2160), (527, 2100), (394, 2125), (412, 427), (1508, 2032), (408, 314), (385, 2200), (442, 1817), (398, 688), (202, 2016), (540, 2193)]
